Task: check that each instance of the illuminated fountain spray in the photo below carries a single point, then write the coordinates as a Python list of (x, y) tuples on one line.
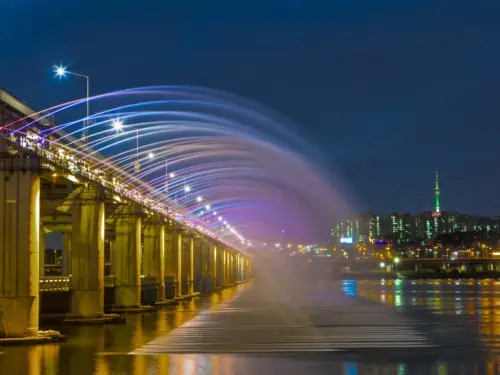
[(224, 163)]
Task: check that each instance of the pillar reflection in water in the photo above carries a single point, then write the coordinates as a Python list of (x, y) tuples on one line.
[(32, 360)]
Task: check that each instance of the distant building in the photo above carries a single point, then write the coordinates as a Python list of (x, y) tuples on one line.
[(405, 228)]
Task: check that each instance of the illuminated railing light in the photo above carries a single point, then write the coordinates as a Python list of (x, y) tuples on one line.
[(59, 155)]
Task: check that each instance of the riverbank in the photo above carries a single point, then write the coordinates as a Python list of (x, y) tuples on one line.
[(413, 275)]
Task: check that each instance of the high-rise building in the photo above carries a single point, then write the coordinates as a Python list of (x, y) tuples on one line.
[(437, 207), (404, 228), (359, 228)]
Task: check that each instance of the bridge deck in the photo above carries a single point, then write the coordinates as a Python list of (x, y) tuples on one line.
[(260, 320)]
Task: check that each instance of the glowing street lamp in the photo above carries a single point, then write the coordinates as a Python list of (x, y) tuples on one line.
[(172, 175), (208, 207), (151, 155), (117, 124), (199, 199), (61, 72), (187, 189)]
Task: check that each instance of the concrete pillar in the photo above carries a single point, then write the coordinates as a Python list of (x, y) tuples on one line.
[(232, 269), (154, 255), (224, 268), (229, 268), (19, 247), (66, 254), (204, 269), (177, 250), (238, 267), (191, 266), (41, 257), (213, 264), (87, 258), (128, 258), (170, 262), (112, 257)]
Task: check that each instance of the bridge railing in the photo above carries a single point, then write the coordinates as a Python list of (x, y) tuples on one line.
[(63, 283), (55, 284), (75, 163)]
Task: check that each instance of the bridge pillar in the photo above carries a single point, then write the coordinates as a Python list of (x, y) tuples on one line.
[(19, 246), (66, 254), (170, 262), (128, 258), (203, 270), (41, 258), (238, 267), (87, 258), (230, 267), (199, 263), (233, 267), (177, 252), (190, 278), (226, 267), (154, 255), (213, 265), (243, 269)]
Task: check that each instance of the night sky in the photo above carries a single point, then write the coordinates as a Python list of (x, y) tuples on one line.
[(387, 92)]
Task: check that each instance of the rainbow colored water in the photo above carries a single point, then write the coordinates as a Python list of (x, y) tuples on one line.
[(226, 163)]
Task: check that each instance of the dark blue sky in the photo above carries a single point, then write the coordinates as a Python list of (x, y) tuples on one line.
[(387, 92)]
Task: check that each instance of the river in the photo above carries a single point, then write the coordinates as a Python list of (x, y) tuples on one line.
[(104, 349)]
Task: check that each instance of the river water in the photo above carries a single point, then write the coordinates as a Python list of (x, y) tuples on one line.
[(104, 349)]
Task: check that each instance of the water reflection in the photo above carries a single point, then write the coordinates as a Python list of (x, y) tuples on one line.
[(477, 300), (104, 350)]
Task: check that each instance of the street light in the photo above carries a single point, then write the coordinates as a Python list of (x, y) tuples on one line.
[(187, 189), (151, 155), (207, 207), (172, 175), (117, 124), (61, 72), (199, 199)]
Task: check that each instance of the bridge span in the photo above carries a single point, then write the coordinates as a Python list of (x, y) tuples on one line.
[(56, 183)]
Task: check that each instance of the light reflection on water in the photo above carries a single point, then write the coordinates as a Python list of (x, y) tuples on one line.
[(478, 300), (103, 349)]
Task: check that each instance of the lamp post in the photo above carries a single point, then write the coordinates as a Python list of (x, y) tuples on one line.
[(61, 71), (117, 124)]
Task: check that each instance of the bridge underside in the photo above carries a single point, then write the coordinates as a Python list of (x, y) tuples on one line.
[(98, 227)]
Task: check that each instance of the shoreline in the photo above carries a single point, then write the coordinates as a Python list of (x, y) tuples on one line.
[(418, 275)]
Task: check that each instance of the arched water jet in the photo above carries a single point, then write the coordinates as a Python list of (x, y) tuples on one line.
[(241, 159)]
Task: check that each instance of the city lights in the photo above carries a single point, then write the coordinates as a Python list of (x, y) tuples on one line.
[(187, 189), (199, 199)]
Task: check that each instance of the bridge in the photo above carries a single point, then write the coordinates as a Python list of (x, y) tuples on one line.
[(406, 264), (105, 214)]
